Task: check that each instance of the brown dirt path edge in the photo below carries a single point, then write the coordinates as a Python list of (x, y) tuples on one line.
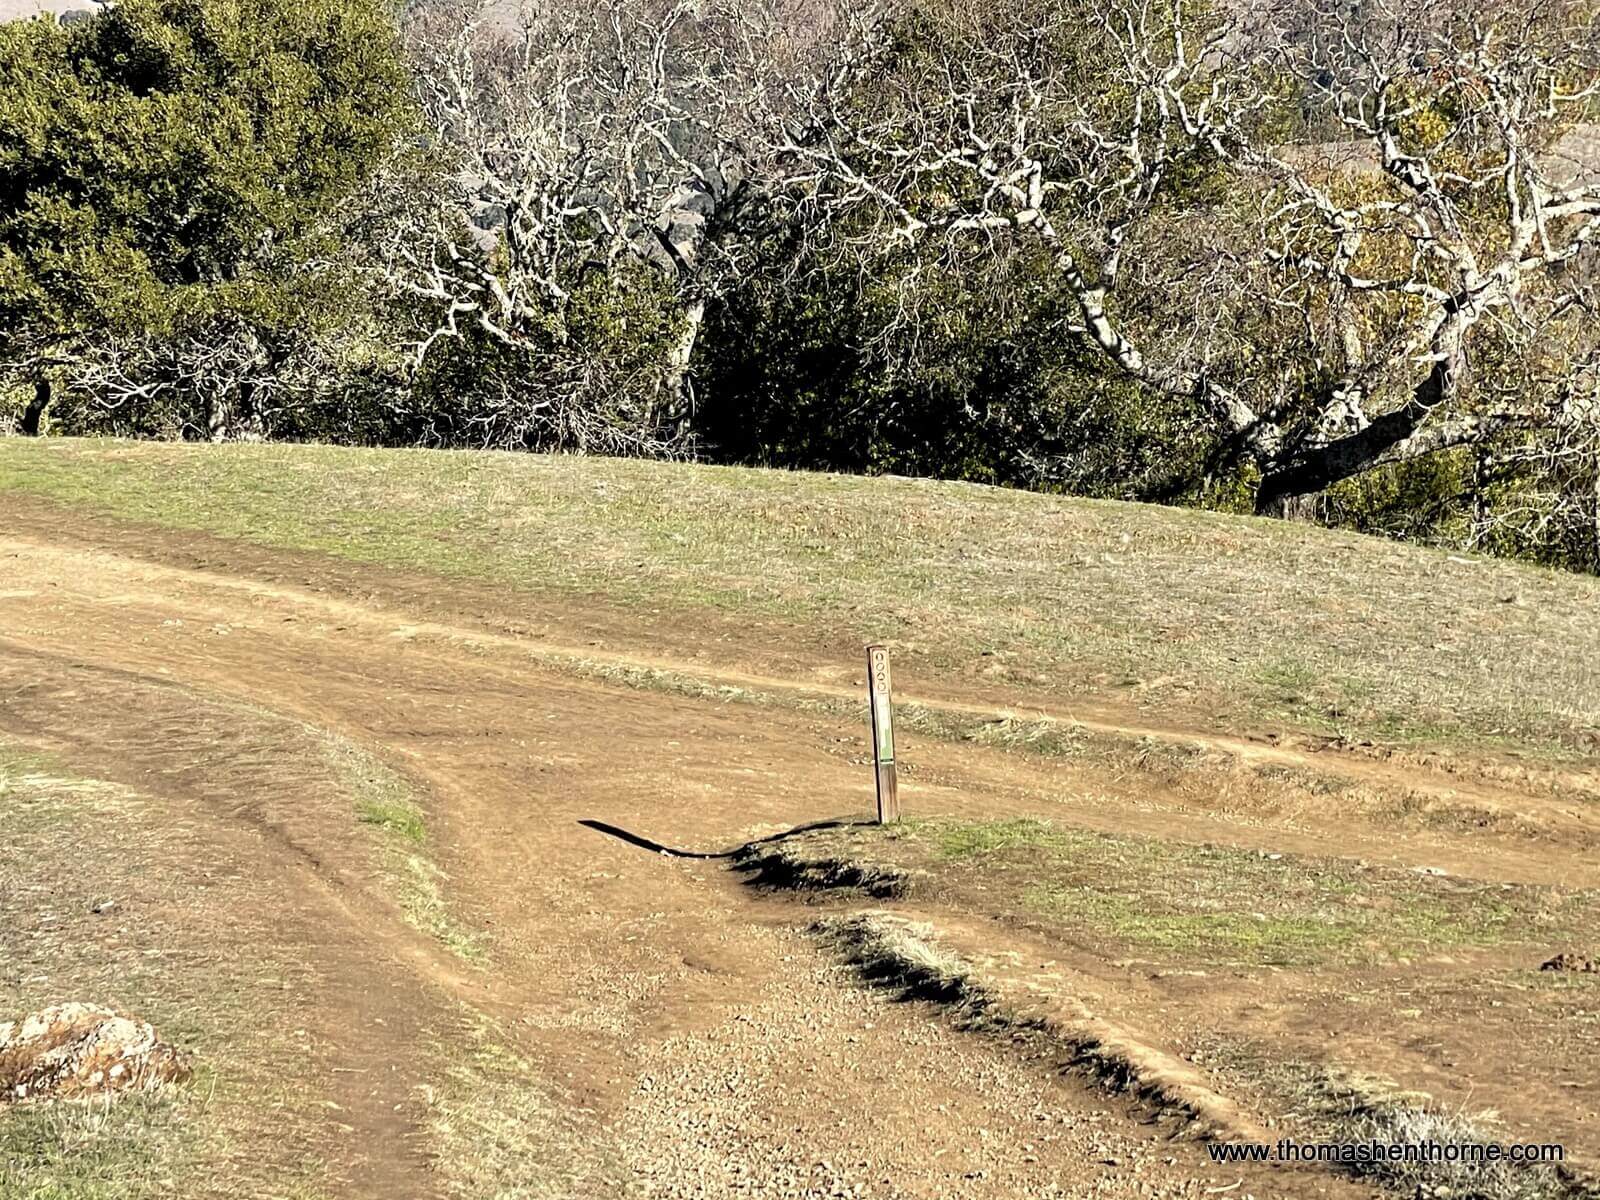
[(708, 1047)]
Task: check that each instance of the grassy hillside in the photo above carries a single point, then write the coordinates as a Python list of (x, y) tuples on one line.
[(1235, 619)]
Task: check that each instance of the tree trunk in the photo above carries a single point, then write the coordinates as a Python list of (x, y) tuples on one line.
[(1594, 565), (680, 392), (33, 415), (1290, 506), (231, 416), (1290, 483), (1289, 489), (218, 418), (1480, 499)]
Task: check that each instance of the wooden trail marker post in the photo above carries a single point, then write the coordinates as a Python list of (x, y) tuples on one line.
[(882, 706)]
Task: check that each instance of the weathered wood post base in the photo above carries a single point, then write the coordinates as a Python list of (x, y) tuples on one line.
[(881, 704)]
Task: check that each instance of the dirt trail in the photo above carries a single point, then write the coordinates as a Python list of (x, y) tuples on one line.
[(1087, 716), (1010, 784), (704, 1046)]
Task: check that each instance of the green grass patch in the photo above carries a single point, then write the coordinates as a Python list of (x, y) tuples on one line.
[(137, 1146), (400, 818), (383, 797), (1223, 904), (386, 801), (958, 840), (1034, 735), (420, 887)]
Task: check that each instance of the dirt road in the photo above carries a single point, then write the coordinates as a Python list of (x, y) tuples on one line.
[(691, 1039)]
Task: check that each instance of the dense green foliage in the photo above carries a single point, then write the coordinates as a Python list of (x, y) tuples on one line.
[(170, 169), (986, 386)]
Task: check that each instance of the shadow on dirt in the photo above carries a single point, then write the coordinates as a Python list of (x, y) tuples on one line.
[(644, 843)]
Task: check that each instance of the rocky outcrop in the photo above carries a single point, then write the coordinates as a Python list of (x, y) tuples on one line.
[(80, 1050)]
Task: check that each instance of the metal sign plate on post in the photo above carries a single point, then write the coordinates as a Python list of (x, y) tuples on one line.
[(882, 706)]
